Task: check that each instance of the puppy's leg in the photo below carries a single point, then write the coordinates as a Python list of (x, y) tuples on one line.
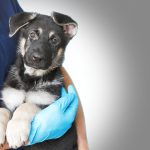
[(4, 118), (19, 126)]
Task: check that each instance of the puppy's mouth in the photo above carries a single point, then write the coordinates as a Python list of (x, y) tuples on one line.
[(35, 66), (33, 71)]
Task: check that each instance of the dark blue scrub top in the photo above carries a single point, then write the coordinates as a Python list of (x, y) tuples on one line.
[(7, 45)]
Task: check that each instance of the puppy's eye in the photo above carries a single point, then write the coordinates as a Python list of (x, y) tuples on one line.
[(33, 35), (54, 40)]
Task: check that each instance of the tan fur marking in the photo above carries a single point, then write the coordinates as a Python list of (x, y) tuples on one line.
[(21, 46), (58, 55), (51, 33), (40, 30)]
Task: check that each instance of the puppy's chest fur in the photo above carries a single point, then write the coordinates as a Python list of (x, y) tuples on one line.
[(20, 87)]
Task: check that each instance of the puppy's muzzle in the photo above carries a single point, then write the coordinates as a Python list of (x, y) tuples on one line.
[(37, 59)]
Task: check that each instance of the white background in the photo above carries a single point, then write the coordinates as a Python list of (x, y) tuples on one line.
[(108, 61)]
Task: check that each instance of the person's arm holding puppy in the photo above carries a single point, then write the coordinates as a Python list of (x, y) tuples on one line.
[(80, 121)]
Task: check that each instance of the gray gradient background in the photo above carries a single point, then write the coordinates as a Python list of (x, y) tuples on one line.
[(109, 63)]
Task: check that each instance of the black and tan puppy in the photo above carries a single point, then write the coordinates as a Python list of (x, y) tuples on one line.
[(35, 80)]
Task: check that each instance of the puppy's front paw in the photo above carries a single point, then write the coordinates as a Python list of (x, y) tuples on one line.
[(17, 133), (2, 134)]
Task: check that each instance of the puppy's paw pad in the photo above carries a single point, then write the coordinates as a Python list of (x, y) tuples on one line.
[(17, 133)]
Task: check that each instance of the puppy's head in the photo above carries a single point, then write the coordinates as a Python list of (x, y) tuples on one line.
[(43, 39)]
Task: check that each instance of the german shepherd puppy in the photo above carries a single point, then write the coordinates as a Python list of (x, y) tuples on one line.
[(35, 80)]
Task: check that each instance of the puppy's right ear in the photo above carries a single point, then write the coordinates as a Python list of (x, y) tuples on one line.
[(19, 20), (69, 25)]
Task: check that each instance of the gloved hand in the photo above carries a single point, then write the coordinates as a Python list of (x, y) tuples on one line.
[(55, 120)]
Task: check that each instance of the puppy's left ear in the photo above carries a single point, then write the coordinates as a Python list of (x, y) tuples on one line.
[(19, 20), (69, 25)]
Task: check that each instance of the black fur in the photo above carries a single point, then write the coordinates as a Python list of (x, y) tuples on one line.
[(19, 80)]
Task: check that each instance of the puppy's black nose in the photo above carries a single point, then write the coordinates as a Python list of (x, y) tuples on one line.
[(36, 57)]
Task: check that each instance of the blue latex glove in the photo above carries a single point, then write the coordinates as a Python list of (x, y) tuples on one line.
[(55, 120)]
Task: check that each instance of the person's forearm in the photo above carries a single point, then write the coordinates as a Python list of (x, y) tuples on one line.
[(5, 146), (81, 129), (80, 121)]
